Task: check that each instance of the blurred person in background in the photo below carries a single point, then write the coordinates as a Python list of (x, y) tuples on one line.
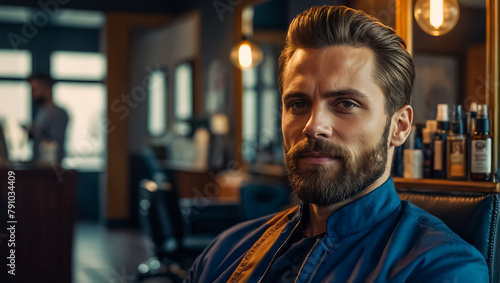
[(48, 129)]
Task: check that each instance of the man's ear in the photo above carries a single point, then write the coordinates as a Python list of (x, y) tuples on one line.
[(401, 125)]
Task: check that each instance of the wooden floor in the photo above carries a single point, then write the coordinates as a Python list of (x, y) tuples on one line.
[(108, 255)]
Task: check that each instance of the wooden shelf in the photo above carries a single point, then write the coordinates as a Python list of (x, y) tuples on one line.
[(446, 185)]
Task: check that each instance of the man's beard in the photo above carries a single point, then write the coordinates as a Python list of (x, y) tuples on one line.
[(319, 185)]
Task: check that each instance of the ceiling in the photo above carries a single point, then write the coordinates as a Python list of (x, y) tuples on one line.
[(142, 6), (85, 13), (90, 13)]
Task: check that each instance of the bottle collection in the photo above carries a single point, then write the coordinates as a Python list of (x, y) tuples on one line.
[(454, 147)]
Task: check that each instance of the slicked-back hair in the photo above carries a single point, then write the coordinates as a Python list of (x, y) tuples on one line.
[(326, 26)]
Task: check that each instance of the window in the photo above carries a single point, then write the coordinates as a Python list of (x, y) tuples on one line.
[(262, 139), (15, 63), (249, 147), (15, 101), (249, 150), (77, 65), (157, 105), (86, 131), (82, 94), (183, 98)]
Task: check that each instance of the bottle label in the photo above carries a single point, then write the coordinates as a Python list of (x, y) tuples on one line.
[(438, 155), (457, 158), (481, 156)]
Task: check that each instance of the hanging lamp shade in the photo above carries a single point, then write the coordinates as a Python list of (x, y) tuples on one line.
[(436, 17), (246, 54)]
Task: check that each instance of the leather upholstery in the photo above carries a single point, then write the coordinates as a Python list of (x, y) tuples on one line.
[(473, 216)]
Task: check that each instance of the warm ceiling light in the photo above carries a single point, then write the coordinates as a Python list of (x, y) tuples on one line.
[(436, 17), (246, 55)]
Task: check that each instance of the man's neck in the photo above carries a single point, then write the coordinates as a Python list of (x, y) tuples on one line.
[(318, 215)]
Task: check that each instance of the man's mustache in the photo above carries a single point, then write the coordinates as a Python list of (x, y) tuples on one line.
[(320, 146)]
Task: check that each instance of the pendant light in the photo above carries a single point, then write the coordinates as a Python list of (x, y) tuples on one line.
[(436, 17), (246, 54)]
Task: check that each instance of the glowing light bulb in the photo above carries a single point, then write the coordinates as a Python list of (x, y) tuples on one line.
[(436, 13), (245, 55), (436, 17)]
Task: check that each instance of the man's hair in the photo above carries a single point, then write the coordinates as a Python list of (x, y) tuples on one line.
[(326, 26), (43, 77)]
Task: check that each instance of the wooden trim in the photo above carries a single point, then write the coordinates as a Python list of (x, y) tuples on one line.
[(492, 79), (238, 92), (117, 47), (404, 22), (446, 185)]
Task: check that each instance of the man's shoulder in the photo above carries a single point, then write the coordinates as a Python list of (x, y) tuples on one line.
[(61, 111), (257, 226), (434, 250), (222, 256), (54, 111), (427, 223), (430, 234)]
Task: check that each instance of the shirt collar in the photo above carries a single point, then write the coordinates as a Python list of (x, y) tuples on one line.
[(364, 212)]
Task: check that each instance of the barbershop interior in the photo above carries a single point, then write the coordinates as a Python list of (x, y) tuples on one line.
[(170, 114)]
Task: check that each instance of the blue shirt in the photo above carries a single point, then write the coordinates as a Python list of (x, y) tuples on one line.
[(377, 238)]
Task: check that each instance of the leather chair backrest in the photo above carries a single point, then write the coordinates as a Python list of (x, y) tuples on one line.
[(159, 214), (473, 216)]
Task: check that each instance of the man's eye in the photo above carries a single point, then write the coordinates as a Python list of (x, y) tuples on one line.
[(298, 105), (347, 104)]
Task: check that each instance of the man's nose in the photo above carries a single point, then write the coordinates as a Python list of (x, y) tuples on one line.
[(319, 124)]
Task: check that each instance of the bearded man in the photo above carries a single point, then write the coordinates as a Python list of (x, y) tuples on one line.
[(346, 82)]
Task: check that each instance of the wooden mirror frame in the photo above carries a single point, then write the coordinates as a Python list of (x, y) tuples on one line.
[(404, 28)]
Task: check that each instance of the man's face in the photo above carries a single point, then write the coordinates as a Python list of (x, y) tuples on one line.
[(335, 126), (39, 91)]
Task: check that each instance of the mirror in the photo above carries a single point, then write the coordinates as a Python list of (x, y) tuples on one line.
[(464, 65), (450, 68), (475, 60)]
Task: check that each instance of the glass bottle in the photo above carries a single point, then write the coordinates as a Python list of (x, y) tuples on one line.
[(457, 148), (481, 147), (443, 125)]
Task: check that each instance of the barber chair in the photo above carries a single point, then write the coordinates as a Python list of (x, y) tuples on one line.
[(473, 216), (143, 165), (178, 228), (162, 222)]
